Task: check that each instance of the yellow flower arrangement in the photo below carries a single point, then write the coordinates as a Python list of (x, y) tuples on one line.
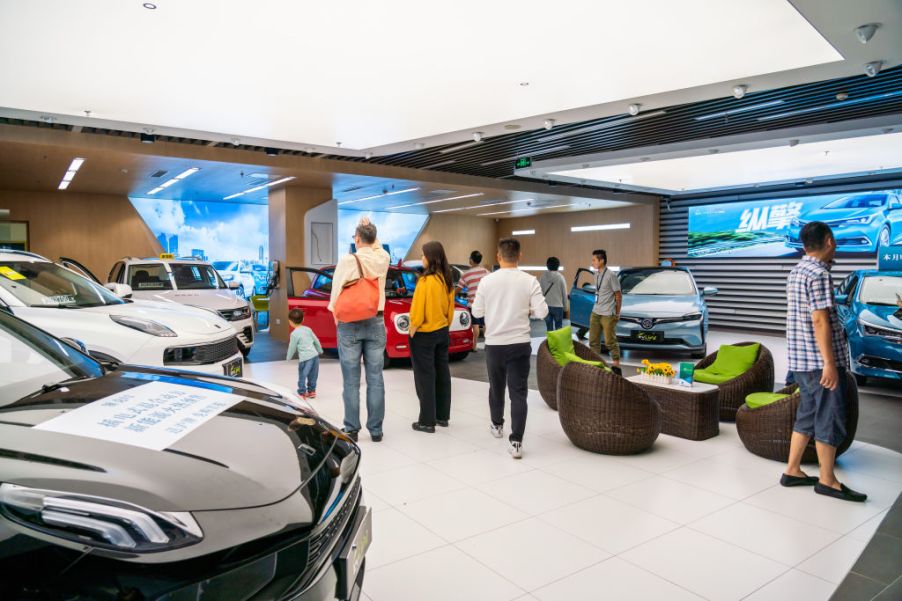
[(657, 369)]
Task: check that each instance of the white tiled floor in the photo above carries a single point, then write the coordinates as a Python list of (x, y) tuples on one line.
[(455, 518)]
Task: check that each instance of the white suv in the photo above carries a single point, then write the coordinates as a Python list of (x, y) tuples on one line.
[(115, 330), (187, 281)]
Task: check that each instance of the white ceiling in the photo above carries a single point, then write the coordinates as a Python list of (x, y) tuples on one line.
[(368, 74), (806, 160)]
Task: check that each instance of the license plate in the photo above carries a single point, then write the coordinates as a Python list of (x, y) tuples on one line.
[(351, 557), (233, 368), (648, 336)]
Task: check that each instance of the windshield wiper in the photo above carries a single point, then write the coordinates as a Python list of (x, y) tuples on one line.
[(56, 386)]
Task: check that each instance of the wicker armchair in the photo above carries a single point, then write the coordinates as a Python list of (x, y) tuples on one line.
[(604, 413), (766, 431), (732, 393), (548, 370)]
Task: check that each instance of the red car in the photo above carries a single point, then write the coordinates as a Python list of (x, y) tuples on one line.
[(309, 289)]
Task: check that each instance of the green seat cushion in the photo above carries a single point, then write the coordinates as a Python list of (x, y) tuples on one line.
[(760, 399), (710, 377), (574, 358), (734, 360), (560, 343)]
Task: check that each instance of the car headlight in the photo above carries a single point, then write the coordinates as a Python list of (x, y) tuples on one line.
[(872, 330), (856, 221), (464, 318), (96, 521), (227, 277), (235, 314), (692, 316), (143, 325), (795, 222), (402, 323)]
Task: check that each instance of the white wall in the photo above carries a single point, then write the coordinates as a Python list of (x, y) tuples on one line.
[(319, 252)]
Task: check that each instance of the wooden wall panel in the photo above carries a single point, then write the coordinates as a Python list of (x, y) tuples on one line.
[(460, 236), (94, 229), (630, 247)]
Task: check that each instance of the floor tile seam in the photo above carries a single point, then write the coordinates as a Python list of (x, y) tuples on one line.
[(676, 527), (491, 569), (507, 505), (780, 575), (722, 494), (807, 523), (418, 499), (661, 576), (752, 551), (622, 460), (406, 557), (838, 533), (536, 515), (866, 577), (732, 502), (888, 586), (571, 575)]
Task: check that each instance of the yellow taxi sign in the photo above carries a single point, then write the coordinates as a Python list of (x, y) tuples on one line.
[(167, 256)]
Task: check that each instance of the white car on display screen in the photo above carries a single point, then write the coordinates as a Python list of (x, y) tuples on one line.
[(115, 330), (231, 273), (187, 281)]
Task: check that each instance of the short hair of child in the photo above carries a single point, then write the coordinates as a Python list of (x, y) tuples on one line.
[(296, 316)]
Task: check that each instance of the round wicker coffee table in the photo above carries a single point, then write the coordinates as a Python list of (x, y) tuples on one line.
[(688, 412)]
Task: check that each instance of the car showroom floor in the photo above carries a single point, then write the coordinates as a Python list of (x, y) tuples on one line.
[(457, 518)]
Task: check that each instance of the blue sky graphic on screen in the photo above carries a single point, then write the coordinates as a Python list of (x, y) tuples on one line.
[(397, 230), (218, 231), (862, 222)]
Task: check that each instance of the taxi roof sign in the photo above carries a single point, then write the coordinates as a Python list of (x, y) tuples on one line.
[(167, 256), (889, 258)]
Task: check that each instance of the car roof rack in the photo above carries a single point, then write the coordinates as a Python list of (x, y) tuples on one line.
[(27, 253)]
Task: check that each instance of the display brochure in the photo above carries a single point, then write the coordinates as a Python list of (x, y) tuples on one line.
[(687, 370)]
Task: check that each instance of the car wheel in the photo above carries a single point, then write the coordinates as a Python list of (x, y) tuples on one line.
[(883, 237), (581, 333), (458, 356), (861, 380), (386, 361)]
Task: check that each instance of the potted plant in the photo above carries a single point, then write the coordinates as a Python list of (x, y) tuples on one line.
[(657, 373)]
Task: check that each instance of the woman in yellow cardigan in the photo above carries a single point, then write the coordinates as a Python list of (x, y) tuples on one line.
[(430, 317)]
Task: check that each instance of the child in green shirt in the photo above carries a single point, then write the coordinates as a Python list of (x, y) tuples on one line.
[(305, 344)]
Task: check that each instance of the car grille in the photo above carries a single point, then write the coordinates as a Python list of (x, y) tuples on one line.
[(321, 542), (202, 354)]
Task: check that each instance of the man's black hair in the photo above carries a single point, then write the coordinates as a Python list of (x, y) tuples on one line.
[(601, 254), (509, 249), (476, 257), (814, 235), (553, 263)]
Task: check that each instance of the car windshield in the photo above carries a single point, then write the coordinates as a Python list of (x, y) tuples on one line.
[(881, 290), (225, 266), (31, 359), (398, 284), (195, 277), (858, 201), (44, 284), (152, 276), (663, 282)]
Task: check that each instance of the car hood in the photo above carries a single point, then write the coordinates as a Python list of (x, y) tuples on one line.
[(245, 456), (834, 214), (180, 318), (213, 299), (652, 305), (881, 315)]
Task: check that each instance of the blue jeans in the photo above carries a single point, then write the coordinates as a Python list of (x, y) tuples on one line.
[(822, 412), (308, 371), (364, 339), (555, 318)]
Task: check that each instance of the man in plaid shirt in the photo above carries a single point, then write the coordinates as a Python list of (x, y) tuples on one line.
[(818, 359)]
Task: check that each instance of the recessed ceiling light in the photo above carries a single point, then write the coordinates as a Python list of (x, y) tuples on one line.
[(74, 166), (260, 187), (174, 180), (739, 91), (150, 6), (524, 210), (484, 205), (599, 126), (63, 185), (634, 108), (419, 145), (523, 84), (429, 202), (347, 202)]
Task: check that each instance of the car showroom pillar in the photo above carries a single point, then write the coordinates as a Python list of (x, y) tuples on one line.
[(287, 243)]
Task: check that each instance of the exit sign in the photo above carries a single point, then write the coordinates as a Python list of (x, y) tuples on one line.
[(523, 163)]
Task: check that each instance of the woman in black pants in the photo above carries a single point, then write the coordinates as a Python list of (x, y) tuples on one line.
[(430, 317)]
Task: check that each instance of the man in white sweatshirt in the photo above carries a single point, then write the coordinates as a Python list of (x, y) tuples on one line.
[(507, 299)]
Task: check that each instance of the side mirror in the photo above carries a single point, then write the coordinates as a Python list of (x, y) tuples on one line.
[(842, 299), (77, 344), (709, 291), (120, 290), (233, 285)]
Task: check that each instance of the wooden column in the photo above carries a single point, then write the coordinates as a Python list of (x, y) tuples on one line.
[(287, 241)]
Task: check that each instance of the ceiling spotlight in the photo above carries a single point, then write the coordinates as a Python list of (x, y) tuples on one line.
[(633, 109), (866, 32), (150, 6), (523, 84), (48, 118), (873, 68), (477, 136), (236, 141), (549, 123), (842, 96), (271, 152), (419, 145), (739, 91), (793, 143), (148, 138), (368, 156)]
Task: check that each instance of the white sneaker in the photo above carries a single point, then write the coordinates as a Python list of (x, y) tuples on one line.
[(515, 449), (497, 431)]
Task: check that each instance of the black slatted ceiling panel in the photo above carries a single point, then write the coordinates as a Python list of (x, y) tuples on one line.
[(679, 123), (752, 290)]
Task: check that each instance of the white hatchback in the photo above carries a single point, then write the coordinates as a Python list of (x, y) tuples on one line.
[(187, 281), (115, 330)]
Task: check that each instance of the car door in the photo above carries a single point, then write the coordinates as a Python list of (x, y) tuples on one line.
[(73, 265), (894, 218), (309, 290), (582, 297), (845, 310)]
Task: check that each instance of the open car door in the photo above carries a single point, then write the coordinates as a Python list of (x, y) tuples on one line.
[(73, 265), (582, 299), (309, 290)]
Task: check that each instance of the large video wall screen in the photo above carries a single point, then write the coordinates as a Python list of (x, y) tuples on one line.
[(862, 222)]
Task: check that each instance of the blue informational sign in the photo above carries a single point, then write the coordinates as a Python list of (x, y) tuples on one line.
[(890, 258), (862, 222), (396, 231)]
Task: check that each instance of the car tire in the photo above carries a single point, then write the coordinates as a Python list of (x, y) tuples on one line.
[(581, 333), (861, 380), (883, 238), (386, 361), (458, 356)]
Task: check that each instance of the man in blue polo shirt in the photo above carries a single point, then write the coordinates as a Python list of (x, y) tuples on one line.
[(818, 359)]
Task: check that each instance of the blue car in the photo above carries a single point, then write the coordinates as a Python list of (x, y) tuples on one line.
[(663, 309), (861, 223), (868, 303)]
